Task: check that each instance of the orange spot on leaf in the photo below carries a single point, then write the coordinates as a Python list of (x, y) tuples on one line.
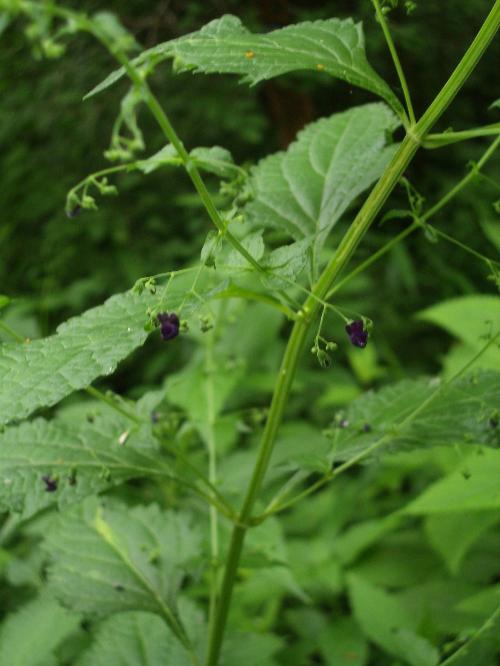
[(249, 54)]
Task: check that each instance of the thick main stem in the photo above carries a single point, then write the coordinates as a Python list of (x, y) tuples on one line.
[(351, 240)]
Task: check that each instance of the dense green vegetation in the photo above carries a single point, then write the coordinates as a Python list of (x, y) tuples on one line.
[(132, 464)]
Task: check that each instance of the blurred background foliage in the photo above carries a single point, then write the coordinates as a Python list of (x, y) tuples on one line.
[(50, 140)]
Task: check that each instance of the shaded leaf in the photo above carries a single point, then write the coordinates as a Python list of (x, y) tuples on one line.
[(224, 45), (107, 560), (80, 459), (135, 639), (29, 636), (385, 621), (461, 412), (453, 534), (473, 486), (342, 644)]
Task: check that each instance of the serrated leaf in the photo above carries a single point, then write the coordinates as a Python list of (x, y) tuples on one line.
[(385, 622), (165, 156), (80, 459), (135, 638), (29, 636), (253, 243), (287, 262), (224, 45), (42, 372), (215, 159), (460, 413), (305, 190), (107, 560)]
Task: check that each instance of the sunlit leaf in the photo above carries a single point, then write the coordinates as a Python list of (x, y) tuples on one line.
[(305, 190), (332, 46)]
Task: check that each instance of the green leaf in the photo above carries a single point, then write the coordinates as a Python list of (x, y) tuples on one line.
[(453, 534), (470, 319), (482, 648), (386, 622), (461, 412), (215, 159), (250, 649), (29, 636), (343, 644), (473, 486), (225, 46), (4, 301), (135, 638), (305, 190), (114, 558), (42, 372), (81, 459), (287, 262), (165, 156)]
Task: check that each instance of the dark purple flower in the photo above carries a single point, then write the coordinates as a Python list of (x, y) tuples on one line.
[(357, 334), (169, 325), (74, 212), (50, 483)]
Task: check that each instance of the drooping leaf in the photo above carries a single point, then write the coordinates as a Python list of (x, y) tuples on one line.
[(75, 460), (111, 559), (385, 621), (305, 190), (136, 639), (462, 412), (29, 636), (224, 45)]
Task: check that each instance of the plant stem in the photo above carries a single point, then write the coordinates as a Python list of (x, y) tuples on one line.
[(275, 507), (395, 59), (349, 243), (416, 225), (212, 472), (10, 331)]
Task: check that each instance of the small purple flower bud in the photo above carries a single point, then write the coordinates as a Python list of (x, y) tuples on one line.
[(74, 212), (50, 483), (169, 325), (357, 334)]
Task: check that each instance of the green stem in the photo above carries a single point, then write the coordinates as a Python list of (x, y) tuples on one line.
[(395, 59), (10, 331), (424, 218), (275, 507), (212, 473), (349, 243), (445, 138)]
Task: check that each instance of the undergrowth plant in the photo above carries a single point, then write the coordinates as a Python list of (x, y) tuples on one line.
[(160, 521)]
